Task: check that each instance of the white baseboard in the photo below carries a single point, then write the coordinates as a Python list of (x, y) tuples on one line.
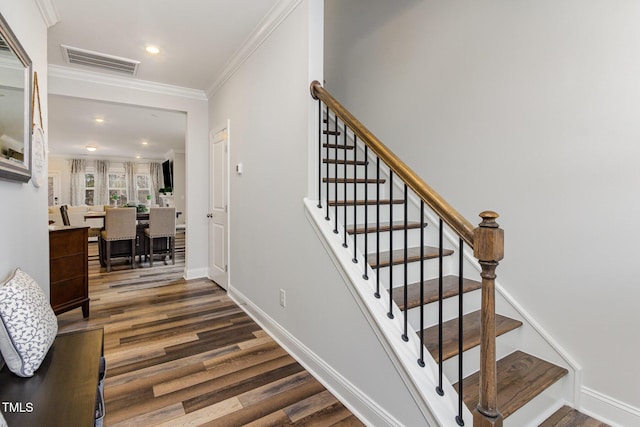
[(196, 273), (608, 409), (368, 411)]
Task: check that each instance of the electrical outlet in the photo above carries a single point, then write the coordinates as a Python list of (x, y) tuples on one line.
[(283, 295)]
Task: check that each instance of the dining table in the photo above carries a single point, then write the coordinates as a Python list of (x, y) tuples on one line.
[(140, 216)]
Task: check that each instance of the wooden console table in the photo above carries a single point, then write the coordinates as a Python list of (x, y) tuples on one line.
[(63, 390), (68, 268)]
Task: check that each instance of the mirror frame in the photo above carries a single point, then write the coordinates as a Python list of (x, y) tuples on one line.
[(10, 171)]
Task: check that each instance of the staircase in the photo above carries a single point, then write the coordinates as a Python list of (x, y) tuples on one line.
[(397, 238)]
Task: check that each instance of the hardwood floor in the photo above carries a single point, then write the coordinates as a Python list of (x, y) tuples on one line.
[(182, 353)]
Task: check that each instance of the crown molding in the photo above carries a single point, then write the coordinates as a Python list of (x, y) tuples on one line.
[(114, 159), (67, 73), (272, 20), (48, 12)]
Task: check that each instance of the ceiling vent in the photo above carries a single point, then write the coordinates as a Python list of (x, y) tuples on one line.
[(73, 55)]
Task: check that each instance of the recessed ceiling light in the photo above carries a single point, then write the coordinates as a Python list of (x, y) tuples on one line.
[(91, 148), (153, 50), (137, 157), (145, 142), (99, 120)]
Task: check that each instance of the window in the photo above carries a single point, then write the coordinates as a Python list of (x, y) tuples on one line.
[(118, 187), (90, 188), (143, 187), (118, 184)]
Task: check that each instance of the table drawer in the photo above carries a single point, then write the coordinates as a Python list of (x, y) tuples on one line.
[(60, 245), (67, 291), (67, 267)]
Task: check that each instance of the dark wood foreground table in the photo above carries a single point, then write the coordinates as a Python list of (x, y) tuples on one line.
[(63, 390), (68, 268)]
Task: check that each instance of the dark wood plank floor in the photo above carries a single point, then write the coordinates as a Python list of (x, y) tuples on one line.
[(182, 353)]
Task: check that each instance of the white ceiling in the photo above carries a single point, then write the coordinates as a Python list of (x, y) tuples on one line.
[(72, 127), (196, 39)]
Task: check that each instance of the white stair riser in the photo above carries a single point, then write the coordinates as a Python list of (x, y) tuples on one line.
[(352, 192), (398, 213), (372, 188), (359, 172), (471, 360), (470, 303), (413, 271), (413, 240), (450, 266), (540, 407)]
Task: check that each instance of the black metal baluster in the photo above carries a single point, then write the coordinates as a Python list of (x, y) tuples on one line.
[(459, 419), (335, 171), (344, 186), (421, 359), (405, 336), (319, 154), (439, 388), (366, 211), (390, 313), (327, 163), (377, 294), (355, 197)]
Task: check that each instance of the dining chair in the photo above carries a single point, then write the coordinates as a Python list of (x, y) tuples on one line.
[(119, 224), (65, 215), (162, 224)]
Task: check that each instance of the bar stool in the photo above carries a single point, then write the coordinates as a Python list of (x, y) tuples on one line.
[(119, 224), (162, 224)]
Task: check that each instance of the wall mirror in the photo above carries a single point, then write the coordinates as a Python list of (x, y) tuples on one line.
[(15, 107)]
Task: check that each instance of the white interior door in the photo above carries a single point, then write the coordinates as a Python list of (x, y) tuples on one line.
[(218, 217)]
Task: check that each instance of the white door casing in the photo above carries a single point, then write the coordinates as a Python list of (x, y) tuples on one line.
[(54, 188), (218, 223)]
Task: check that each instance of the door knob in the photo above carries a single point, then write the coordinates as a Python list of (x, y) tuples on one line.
[(209, 215)]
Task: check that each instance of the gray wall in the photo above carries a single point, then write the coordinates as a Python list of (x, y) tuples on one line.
[(273, 245), (530, 109)]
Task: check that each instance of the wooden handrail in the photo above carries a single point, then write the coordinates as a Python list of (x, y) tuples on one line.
[(431, 198)]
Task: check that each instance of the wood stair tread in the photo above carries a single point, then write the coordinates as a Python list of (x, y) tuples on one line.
[(345, 162), (338, 146), (354, 180), (396, 256), (332, 132), (569, 417), (521, 377), (365, 202), (431, 291), (471, 332), (386, 226)]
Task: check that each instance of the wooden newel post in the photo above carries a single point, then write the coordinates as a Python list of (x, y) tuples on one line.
[(488, 248)]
